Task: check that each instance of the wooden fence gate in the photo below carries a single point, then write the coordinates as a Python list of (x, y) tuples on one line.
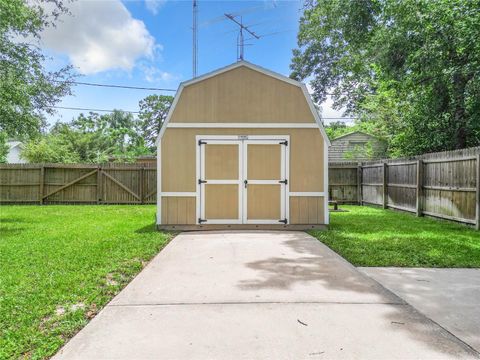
[(75, 184)]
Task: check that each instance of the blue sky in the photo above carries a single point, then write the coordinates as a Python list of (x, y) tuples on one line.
[(149, 44)]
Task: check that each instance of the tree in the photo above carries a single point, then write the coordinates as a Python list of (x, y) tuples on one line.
[(410, 68), (153, 112), (27, 90), (3, 147), (91, 138), (50, 149), (336, 129)]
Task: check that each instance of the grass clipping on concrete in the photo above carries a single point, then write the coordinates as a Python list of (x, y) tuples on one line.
[(59, 265), (370, 236)]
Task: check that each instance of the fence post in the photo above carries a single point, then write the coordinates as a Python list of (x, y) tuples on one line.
[(419, 193), (99, 185), (42, 184), (142, 171), (477, 200), (385, 185), (359, 184)]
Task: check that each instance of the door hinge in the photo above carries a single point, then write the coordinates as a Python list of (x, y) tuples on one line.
[(283, 221), (284, 143), (201, 220), (200, 142), (200, 181), (283, 181)]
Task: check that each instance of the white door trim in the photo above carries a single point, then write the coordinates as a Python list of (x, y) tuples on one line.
[(201, 186), (240, 137), (283, 176), (242, 141)]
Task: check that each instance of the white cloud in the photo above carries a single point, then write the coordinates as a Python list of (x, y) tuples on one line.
[(99, 36), (154, 5), (153, 74)]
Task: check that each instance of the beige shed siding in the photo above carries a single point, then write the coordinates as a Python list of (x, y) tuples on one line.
[(242, 95), (307, 210), (178, 210), (179, 157), (306, 169), (342, 145)]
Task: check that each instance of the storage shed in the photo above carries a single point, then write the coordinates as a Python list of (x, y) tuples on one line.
[(242, 147)]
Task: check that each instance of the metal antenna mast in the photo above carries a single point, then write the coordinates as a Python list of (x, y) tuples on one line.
[(194, 39), (240, 39)]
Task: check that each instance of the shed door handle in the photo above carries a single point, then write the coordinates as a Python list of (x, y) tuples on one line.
[(245, 182)]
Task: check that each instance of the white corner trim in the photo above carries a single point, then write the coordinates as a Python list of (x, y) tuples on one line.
[(325, 183), (307, 193), (169, 115), (244, 125), (315, 113), (159, 183)]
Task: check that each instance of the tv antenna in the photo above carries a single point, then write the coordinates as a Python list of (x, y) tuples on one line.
[(240, 39), (194, 39)]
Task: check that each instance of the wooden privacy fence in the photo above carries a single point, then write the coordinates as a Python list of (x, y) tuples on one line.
[(75, 184), (444, 185)]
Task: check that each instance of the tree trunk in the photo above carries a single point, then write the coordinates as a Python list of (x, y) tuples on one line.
[(459, 116)]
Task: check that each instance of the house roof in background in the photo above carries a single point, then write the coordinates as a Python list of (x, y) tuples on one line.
[(13, 143), (357, 132)]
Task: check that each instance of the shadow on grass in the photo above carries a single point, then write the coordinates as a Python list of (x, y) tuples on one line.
[(12, 220), (7, 232), (151, 228)]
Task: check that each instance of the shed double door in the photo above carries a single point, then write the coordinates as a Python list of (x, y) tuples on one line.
[(243, 182)]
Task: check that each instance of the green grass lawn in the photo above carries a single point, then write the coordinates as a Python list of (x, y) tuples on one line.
[(59, 265), (368, 236)]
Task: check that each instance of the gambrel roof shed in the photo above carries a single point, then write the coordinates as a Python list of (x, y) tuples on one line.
[(242, 147)]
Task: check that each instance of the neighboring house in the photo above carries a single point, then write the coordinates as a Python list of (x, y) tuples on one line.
[(242, 147), (14, 151), (356, 146)]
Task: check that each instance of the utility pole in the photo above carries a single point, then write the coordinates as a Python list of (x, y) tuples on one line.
[(194, 39), (240, 40)]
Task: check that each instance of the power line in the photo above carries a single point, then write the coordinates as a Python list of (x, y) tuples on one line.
[(88, 109), (158, 89), (137, 112), (119, 86)]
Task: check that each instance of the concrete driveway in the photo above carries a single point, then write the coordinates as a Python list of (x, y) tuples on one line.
[(258, 295), (450, 297)]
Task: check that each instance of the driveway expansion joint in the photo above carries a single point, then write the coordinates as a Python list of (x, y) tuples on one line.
[(260, 303)]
